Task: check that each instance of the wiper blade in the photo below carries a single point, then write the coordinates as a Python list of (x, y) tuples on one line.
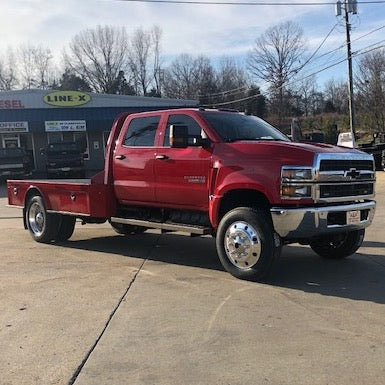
[(231, 140)]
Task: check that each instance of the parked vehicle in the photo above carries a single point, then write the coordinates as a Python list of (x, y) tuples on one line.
[(14, 161), (213, 172), (376, 148), (64, 159)]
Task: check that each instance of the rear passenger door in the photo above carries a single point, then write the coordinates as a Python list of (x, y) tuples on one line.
[(133, 161), (182, 174)]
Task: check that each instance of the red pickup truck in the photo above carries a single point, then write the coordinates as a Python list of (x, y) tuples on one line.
[(215, 172)]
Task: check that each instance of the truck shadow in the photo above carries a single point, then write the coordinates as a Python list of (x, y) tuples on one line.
[(360, 277)]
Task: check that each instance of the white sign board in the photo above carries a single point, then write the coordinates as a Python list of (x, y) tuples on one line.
[(65, 125), (6, 127)]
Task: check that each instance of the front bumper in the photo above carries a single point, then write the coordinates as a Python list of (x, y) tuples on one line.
[(308, 222)]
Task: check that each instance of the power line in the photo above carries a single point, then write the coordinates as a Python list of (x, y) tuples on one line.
[(232, 101), (227, 92), (314, 53), (363, 51), (252, 3)]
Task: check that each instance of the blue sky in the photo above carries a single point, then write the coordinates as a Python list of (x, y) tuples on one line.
[(211, 30)]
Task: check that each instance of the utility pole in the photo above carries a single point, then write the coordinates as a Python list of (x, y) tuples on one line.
[(349, 6)]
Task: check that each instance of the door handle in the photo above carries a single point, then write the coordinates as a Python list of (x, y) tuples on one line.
[(161, 157), (120, 157)]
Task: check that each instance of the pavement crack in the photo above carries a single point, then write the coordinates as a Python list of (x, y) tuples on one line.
[(111, 316)]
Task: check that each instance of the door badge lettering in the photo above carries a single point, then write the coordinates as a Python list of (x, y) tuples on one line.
[(195, 179)]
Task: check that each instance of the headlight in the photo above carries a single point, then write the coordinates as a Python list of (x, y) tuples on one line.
[(296, 192), (296, 182), (290, 174)]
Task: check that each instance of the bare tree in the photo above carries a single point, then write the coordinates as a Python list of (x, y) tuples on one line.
[(157, 62), (43, 67), (336, 97), (98, 55), (35, 66), (26, 66), (8, 78), (145, 59), (370, 84), (231, 83), (308, 97), (190, 77), (140, 49), (276, 58), (181, 78)]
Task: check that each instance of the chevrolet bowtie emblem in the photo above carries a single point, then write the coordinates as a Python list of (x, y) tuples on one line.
[(352, 173)]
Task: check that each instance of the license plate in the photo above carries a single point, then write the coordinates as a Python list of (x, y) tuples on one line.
[(353, 217)]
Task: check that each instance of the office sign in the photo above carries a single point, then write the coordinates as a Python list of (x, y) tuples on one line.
[(6, 127)]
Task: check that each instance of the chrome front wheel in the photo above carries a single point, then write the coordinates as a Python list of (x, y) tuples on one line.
[(243, 245), (246, 243)]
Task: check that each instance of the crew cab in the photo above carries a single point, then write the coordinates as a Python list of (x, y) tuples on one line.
[(213, 172)]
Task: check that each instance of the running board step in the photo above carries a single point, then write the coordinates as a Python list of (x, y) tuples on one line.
[(199, 230)]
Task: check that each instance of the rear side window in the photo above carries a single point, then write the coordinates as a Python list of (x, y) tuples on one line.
[(141, 131)]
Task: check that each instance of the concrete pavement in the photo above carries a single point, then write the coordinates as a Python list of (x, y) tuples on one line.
[(159, 309)]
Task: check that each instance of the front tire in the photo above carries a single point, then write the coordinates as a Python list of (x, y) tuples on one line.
[(338, 246), (246, 243), (42, 226)]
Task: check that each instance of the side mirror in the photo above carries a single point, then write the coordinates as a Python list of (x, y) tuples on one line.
[(178, 136), (201, 142)]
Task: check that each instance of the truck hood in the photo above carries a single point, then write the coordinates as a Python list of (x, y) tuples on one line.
[(257, 164), (283, 152)]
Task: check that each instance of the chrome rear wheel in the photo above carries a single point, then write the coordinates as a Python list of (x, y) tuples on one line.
[(43, 226)]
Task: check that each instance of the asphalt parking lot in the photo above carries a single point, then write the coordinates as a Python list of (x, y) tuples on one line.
[(158, 309)]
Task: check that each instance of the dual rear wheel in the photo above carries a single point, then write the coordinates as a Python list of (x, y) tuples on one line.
[(45, 227)]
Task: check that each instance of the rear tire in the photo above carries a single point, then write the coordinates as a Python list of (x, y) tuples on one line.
[(246, 243), (42, 226), (66, 227), (338, 246)]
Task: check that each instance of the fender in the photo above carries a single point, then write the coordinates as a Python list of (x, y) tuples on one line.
[(242, 183)]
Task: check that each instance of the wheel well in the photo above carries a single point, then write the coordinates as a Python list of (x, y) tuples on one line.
[(242, 198)]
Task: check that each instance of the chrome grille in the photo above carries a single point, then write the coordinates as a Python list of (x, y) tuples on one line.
[(344, 176), (345, 165)]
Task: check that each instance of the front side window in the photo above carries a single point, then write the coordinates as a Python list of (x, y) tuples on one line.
[(141, 131), (194, 129)]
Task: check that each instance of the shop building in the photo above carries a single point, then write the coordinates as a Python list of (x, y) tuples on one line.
[(35, 118)]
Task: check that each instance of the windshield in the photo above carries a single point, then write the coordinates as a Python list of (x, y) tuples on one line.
[(232, 126)]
